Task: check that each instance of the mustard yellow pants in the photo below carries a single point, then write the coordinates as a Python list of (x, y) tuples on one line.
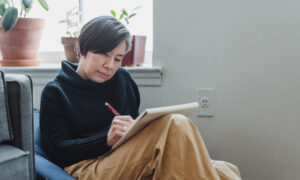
[(170, 147)]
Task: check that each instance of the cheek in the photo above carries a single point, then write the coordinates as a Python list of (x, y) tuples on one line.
[(116, 68), (91, 68)]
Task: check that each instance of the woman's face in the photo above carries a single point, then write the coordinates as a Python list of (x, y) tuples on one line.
[(101, 67)]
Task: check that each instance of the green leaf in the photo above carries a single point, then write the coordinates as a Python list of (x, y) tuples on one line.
[(44, 4), (126, 19), (3, 2), (68, 13), (124, 11), (10, 18), (74, 11), (131, 15), (121, 16), (112, 12), (27, 10), (76, 34), (62, 21), (2, 9), (137, 8), (27, 3)]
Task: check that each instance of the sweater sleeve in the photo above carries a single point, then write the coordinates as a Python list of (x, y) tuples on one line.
[(56, 139), (137, 98)]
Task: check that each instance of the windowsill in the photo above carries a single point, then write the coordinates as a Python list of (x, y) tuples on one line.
[(145, 75)]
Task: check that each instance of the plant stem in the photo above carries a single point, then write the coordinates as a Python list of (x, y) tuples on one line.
[(24, 12), (21, 11), (12, 1)]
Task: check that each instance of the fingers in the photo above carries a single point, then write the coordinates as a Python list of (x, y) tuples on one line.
[(114, 135), (124, 118), (120, 123), (117, 132), (123, 121), (118, 128)]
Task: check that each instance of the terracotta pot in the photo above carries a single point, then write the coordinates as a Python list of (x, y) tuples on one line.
[(69, 46), (19, 46), (136, 55)]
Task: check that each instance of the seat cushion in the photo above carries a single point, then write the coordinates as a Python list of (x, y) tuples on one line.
[(5, 125), (45, 169), (37, 133), (14, 163)]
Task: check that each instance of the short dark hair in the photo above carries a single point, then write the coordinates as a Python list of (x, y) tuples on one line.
[(101, 35)]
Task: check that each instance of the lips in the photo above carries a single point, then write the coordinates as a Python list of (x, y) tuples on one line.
[(103, 75)]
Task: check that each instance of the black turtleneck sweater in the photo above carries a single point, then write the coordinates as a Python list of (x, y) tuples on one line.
[(74, 121)]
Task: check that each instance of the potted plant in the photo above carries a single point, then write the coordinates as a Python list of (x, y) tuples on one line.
[(20, 36), (72, 23), (136, 55)]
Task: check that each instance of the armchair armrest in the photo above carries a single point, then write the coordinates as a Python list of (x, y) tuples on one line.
[(20, 103)]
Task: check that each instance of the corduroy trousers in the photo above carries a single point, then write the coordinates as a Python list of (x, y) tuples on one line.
[(170, 147)]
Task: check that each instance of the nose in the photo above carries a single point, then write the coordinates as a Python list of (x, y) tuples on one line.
[(109, 63)]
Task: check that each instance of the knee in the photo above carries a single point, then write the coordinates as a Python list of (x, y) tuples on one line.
[(181, 126), (176, 118), (178, 121)]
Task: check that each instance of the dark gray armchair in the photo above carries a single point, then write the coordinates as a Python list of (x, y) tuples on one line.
[(16, 127), (21, 156)]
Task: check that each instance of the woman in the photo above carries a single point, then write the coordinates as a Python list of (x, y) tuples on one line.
[(77, 128)]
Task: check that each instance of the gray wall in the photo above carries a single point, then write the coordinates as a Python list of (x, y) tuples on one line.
[(249, 52)]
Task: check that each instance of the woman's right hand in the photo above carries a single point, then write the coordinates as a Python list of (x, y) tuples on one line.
[(118, 128)]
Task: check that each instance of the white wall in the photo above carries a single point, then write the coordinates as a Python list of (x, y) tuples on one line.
[(249, 52)]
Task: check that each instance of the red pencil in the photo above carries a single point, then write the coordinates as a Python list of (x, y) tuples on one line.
[(112, 109)]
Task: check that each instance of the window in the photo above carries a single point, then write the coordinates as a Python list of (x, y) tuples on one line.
[(53, 30), (141, 24)]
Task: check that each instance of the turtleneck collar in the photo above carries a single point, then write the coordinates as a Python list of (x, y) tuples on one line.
[(70, 77)]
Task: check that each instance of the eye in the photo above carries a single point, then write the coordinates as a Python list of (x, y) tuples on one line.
[(118, 60)]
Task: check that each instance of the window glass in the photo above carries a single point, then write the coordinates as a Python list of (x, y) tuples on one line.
[(53, 30), (141, 24)]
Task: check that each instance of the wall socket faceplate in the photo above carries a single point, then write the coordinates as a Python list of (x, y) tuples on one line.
[(206, 99)]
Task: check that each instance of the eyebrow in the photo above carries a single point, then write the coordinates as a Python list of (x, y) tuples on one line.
[(122, 55)]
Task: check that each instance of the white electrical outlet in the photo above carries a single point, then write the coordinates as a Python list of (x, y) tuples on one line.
[(206, 100)]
